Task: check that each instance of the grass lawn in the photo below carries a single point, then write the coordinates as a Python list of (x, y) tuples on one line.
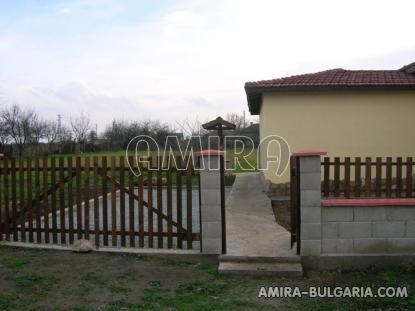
[(57, 280)]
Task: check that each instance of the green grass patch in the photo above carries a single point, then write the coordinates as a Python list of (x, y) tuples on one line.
[(13, 262), (242, 162), (94, 279), (7, 302), (115, 288), (208, 267), (83, 308), (198, 295), (29, 281), (118, 282), (33, 287)]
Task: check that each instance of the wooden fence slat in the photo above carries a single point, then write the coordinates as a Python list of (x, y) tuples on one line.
[(53, 200), (384, 181), (294, 197), (70, 200), (179, 201), (189, 203), (357, 176), (347, 177), (131, 205), (150, 203), (378, 177), (6, 198), (113, 205), (2, 224), (326, 173), (104, 200), (14, 199), (388, 177), (409, 177), (37, 201), (122, 200), (141, 205), (159, 204), (368, 177), (169, 208), (96, 201), (398, 177), (78, 181), (46, 199), (336, 176), (62, 200), (22, 201), (86, 197), (29, 199)]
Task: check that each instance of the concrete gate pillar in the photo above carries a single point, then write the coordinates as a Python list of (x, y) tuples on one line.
[(310, 201), (210, 210)]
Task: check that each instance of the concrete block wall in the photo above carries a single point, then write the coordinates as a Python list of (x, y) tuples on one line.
[(211, 229), (368, 230), (310, 202), (350, 236)]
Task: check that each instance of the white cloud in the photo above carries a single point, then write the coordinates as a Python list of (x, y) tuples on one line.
[(183, 18), (71, 99), (65, 10)]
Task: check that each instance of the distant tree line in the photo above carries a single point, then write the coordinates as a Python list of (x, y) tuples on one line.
[(24, 133), (121, 132)]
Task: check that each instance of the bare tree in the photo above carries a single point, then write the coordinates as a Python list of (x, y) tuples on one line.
[(38, 129), (81, 125), (56, 134), (120, 132), (191, 127), (4, 136), (117, 133), (52, 132), (92, 136), (237, 119), (19, 125), (65, 134)]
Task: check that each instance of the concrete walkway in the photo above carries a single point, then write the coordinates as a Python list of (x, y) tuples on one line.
[(251, 229)]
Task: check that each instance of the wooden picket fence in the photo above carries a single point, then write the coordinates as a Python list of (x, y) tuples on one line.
[(368, 178), (58, 200)]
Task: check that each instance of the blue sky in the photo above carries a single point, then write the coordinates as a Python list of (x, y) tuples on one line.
[(181, 59)]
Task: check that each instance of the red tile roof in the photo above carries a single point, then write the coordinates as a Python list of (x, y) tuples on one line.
[(341, 77), (334, 79)]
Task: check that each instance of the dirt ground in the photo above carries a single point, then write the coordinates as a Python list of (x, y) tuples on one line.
[(61, 280), (282, 213)]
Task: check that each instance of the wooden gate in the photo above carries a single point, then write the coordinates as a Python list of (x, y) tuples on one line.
[(295, 202), (58, 200)]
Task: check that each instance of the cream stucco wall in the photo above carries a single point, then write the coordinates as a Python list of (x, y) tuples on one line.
[(364, 123)]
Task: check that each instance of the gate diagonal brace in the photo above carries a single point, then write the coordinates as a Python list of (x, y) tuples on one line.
[(42, 197), (181, 229)]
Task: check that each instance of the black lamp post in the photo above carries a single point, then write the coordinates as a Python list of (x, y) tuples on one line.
[(220, 125)]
